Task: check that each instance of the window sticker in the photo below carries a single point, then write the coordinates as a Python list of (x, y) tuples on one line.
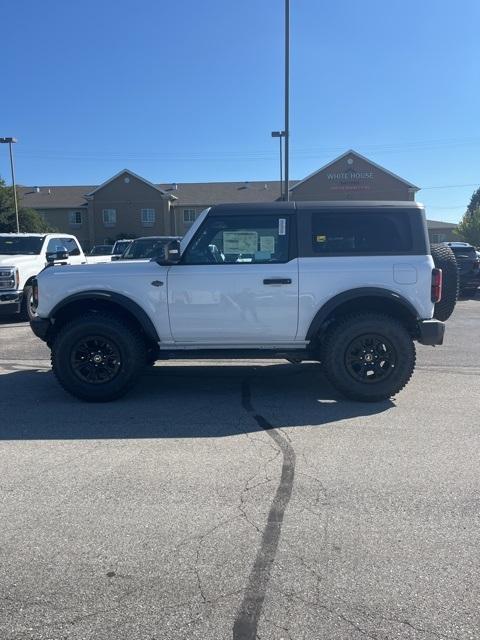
[(282, 225), (267, 244), (240, 241), (321, 238)]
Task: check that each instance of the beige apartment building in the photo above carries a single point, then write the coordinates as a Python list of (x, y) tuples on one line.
[(128, 205)]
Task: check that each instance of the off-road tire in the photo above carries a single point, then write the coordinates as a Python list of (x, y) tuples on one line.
[(444, 259), (336, 354), (26, 311), (124, 339)]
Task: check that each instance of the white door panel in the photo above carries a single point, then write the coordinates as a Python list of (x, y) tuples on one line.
[(322, 279), (218, 303)]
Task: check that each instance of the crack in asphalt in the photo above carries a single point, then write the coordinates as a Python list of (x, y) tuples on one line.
[(248, 615)]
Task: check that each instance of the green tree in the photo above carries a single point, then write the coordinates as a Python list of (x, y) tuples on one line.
[(29, 220), (469, 227), (474, 202)]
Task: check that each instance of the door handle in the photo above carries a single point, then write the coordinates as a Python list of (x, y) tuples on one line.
[(277, 281)]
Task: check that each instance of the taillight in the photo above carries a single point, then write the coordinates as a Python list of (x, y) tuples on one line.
[(437, 280)]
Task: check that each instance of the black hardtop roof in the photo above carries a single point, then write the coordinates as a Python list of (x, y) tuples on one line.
[(293, 207)]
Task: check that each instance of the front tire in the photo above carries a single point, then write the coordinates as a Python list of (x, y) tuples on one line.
[(368, 357), (27, 311), (98, 357)]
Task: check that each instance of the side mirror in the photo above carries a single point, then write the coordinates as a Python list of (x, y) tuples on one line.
[(116, 256), (172, 253), (56, 256)]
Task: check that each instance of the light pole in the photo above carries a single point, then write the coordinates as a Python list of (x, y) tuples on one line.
[(280, 135), (287, 94), (11, 141)]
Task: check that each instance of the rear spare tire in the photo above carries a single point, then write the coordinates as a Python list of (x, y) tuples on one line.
[(444, 259)]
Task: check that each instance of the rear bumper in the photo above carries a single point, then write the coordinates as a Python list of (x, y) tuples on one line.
[(430, 332), (40, 327), (10, 302)]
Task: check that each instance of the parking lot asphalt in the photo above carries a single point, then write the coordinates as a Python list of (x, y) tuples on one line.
[(241, 500)]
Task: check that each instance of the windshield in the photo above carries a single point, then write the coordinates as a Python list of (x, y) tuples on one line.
[(146, 248), (21, 245), (101, 250), (191, 232), (120, 247), (464, 253)]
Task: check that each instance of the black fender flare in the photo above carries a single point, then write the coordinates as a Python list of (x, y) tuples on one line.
[(116, 298), (354, 294)]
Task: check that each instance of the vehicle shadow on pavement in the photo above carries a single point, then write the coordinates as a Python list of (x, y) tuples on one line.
[(14, 320), (175, 401)]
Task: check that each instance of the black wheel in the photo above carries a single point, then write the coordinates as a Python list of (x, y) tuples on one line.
[(97, 357), (444, 259), (151, 356), (368, 357), (27, 311)]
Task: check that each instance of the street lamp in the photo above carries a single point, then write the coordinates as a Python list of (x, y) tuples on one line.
[(11, 141), (287, 96), (280, 135)]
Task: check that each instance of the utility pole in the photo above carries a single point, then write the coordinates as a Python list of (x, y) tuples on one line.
[(11, 141), (280, 135), (286, 195)]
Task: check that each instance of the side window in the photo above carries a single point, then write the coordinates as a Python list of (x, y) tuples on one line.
[(240, 239), (55, 244), (357, 232), (71, 246)]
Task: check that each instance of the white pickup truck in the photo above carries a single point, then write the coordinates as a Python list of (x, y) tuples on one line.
[(22, 257)]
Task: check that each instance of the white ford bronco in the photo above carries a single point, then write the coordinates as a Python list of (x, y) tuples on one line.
[(351, 285), (22, 257)]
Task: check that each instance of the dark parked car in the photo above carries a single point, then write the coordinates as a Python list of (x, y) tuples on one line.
[(101, 250), (468, 267), (147, 248), (119, 248)]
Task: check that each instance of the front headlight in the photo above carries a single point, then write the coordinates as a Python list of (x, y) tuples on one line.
[(8, 278)]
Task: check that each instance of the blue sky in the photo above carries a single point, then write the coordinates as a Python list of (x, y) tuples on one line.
[(189, 91)]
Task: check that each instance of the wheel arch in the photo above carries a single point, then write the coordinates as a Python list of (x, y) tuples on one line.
[(113, 302), (374, 299), (29, 281)]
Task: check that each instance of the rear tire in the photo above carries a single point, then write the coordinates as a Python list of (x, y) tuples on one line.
[(444, 259), (98, 357), (368, 357)]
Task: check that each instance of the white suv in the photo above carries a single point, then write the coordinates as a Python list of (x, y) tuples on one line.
[(349, 284)]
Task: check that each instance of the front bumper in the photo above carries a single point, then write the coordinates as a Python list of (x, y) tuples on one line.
[(40, 327), (10, 302), (430, 332)]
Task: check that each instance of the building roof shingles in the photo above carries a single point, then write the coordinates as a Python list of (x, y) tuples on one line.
[(193, 194), (186, 194)]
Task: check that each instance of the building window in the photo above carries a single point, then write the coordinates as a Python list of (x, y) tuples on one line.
[(109, 217), (75, 218), (189, 216), (439, 237), (148, 217)]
